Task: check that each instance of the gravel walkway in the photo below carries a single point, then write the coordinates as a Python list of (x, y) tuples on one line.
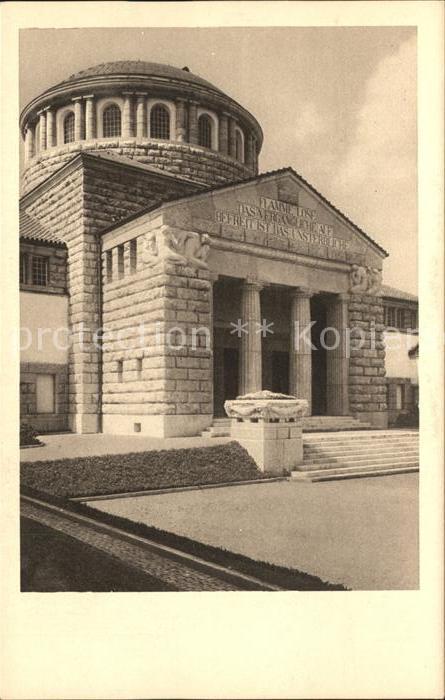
[(362, 533)]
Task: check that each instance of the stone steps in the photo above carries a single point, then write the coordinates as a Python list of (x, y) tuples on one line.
[(353, 455), (312, 424)]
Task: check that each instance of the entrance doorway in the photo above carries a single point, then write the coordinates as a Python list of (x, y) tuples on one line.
[(280, 372), (225, 378), (319, 356)]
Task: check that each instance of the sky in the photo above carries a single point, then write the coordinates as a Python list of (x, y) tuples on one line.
[(338, 104)]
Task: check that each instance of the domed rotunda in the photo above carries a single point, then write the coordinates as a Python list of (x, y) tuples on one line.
[(154, 113)]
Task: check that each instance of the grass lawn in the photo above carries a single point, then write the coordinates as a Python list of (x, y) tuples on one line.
[(139, 471)]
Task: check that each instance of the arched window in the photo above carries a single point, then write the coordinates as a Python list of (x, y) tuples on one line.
[(159, 122), (68, 128), (111, 121), (239, 146), (205, 131)]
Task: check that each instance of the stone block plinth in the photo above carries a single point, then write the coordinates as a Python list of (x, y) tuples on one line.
[(269, 427)]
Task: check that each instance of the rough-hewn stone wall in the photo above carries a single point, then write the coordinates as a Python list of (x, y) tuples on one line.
[(367, 383), (155, 367), (77, 205), (199, 164)]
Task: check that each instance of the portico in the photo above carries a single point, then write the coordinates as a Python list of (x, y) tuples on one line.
[(272, 337)]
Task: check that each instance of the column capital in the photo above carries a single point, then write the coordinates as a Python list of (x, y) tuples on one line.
[(193, 102), (302, 292), (88, 97), (254, 283), (127, 93), (141, 95), (46, 109), (76, 99)]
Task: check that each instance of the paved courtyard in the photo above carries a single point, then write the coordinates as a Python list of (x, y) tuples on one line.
[(70, 445), (362, 533)]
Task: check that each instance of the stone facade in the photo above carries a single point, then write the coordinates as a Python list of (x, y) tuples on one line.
[(162, 381), (367, 383), (197, 164), (76, 204)]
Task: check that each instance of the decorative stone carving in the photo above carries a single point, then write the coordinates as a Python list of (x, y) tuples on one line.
[(365, 280), (174, 245), (267, 406)]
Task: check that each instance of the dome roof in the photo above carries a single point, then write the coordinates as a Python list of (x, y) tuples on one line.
[(145, 68)]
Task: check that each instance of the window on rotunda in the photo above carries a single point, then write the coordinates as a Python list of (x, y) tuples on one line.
[(68, 128), (112, 121), (239, 146), (205, 131), (159, 122)]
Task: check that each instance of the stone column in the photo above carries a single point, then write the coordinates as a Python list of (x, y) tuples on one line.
[(50, 127), (223, 145), (90, 121), (141, 115), (127, 116), (300, 356), (42, 130), (181, 121), (232, 137), (250, 364), (213, 277), (29, 142), (250, 153), (78, 118), (193, 122), (337, 357)]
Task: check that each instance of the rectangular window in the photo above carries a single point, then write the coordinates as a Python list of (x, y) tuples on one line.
[(40, 270), (120, 260), (45, 393), (390, 316), (139, 367), (23, 268), (109, 265), (133, 254), (400, 318), (120, 370)]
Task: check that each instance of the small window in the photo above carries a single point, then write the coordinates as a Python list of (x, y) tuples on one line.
[(120, 370), (68, 128), (133, 254), (159, 122), (45, 394), (120, 260), (139, 367), (205, 131), (40, 270), (399, 397), (111, 121), (109, 263), (239, 148), (23, 268)]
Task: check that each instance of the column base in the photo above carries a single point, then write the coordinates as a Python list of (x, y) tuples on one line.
[(83, 423), (378, 419)]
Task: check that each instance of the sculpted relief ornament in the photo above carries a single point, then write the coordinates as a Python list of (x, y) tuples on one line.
[(174, 245), (267, 406), (365, 280)]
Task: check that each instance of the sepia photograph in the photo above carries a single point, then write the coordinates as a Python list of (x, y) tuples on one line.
[(222, 238), (219, 312)]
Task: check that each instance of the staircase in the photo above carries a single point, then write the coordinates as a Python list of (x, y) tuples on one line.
[(311, 424), (349, 455)]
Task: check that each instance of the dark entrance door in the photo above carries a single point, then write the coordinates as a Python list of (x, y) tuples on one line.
[(231, 373), (280, 372), (225, 378), (319, 367)]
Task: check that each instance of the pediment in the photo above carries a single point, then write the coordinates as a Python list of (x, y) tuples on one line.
[(278, 210)]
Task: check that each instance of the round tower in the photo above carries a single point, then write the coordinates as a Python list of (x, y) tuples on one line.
[(157, 114)]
